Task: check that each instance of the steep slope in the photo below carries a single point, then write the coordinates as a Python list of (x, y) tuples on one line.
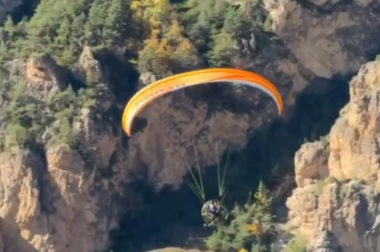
[(327, 37), (336, 205), (52, 197), (65, 185)]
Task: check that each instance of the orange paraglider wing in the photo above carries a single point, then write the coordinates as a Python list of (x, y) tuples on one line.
[(159, 88)]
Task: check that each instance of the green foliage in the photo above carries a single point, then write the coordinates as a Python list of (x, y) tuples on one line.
[(10, 29), (89, 96), (65, 133), (25, 116), (16, 135), (63, 100), (3, 52), (96, 19), (234, 22), (320, 185), (217, 27), (297, 244), (171, 54), (249, 227), (61, 28), (67, 105), (2, 141), (263, 200), (223, 50), (12, 39), (116, 22), (259, 248)]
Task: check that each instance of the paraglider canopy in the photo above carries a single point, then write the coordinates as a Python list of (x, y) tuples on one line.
[(199, 77)]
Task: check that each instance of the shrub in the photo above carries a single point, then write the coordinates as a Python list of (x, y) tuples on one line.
[(320, 185), (297, 244), (16, 135), (249, 228)]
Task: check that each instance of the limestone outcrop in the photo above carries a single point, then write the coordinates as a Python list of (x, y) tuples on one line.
[(62, 198), (336, 205), (45, 77), (328, 37)]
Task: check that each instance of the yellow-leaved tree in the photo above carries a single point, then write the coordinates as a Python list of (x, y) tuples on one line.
[(167, 50)]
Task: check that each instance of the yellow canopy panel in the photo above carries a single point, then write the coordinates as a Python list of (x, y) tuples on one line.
[(199, 77)]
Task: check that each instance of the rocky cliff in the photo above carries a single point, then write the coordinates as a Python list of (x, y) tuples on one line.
[(320, 33), (60, 198), (52, 198), (325, 38), (336, 204)]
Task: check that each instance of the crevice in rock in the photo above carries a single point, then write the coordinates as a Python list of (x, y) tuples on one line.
[(119, 74), (168, 217), (41, 175)]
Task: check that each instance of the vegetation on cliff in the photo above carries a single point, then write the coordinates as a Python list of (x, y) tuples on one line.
[(251, 226), (163, 37)]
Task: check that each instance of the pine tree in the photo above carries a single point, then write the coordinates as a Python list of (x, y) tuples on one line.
[(65, 133), (115, 26), (77, 33), (263, 198), (9, 28), (64, 33), (3, 52), (96, 19), (224, 50), (63, 100)]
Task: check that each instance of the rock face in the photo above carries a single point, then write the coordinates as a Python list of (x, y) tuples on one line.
[(336, 205), (180, 129), (61, 199), (342, 32), (89, 66), (354, 139), (57, 198), (44, 77), (52, 206), (311, 163)]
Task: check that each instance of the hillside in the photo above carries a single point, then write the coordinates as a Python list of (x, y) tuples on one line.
[(71, 180)]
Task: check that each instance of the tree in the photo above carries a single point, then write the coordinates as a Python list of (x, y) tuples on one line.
[(64, 33), (16, 135), (223, 50), (157, 13), (77, 32), (9, 28), (263, 198), (115, 25), (249, 225), (3, 52), (96, 19), (234, 22), (65, 133)]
